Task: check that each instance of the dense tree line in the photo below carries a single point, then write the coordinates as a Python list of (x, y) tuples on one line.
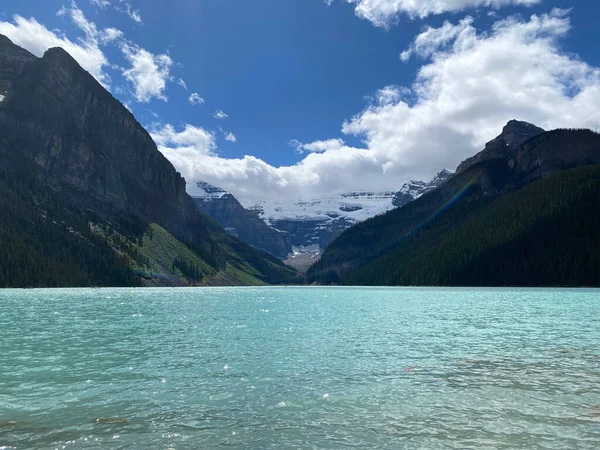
[(546, 233), (43, 243), (189, 270)]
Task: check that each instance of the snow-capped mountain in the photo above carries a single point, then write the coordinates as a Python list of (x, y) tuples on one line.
[(304, 226), (318, 221), (204, 190), (238, 221), (414, 189)]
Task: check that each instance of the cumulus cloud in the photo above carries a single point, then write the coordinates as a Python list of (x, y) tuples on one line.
[(35, 37), (229, 136), (148, 73), (195, 99), (193, 139), (470, 84), (192, 152), (317, 146), (219, 114), (383, 13), (473, 83)]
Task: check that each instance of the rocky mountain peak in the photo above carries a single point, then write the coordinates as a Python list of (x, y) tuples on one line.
[(514, 133), (202, 189), (12, 60), (439, 178), (413, 189)]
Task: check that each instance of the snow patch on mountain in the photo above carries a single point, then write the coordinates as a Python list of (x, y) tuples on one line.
[(354, 206), (414, 189), (205, 190), (309, 225)]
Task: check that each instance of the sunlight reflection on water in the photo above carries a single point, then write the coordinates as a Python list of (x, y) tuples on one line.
[(386, 368)]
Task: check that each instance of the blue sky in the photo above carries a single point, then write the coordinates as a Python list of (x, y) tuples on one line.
[(316, 95)]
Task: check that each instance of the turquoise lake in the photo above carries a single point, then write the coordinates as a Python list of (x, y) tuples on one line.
[(300, 368)]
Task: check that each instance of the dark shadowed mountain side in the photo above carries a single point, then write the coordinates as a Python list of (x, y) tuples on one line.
[(528, 218), (89, 199), (240, 222), (514, 134)]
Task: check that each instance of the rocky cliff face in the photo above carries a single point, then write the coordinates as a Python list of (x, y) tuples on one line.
[(61, 123), (414, 189), (513, 134), (240, 222), (94, 145), (12, 61), (313, 223)]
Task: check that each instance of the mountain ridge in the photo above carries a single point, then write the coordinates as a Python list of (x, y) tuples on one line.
[(74, 145), (488, 179)]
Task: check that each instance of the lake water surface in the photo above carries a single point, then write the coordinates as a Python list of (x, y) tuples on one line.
[(300, 367)]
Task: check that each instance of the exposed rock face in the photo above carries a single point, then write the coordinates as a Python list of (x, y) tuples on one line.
[(94, 145), (298, 231), (513, 135), (414, 189), (310, 232), (239, 222), (313, 223), (59, 121), (12, 61)]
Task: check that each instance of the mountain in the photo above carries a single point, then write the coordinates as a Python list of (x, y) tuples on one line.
[(298, 231), (316, 222), (86, 198), (528, 215), (513, 134), (240, 222), (414, 189)]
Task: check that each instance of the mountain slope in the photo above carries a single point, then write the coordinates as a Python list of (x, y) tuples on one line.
[(545, 234), (238, 221), (81, 148), (415, 189), (379, 245), (514, 134)]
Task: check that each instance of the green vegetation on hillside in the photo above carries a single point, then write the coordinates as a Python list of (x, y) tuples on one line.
[(42, 243), (543, 234)]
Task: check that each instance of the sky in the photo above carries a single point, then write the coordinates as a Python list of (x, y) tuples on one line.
[(289, 99)]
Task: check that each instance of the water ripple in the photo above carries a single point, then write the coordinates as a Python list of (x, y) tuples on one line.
[(300, 368)]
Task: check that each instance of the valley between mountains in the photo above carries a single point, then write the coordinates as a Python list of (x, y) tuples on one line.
[(87, 199)]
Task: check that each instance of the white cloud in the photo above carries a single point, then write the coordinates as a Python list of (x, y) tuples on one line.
[(35, 37), (317, 146), (148, 73), (133, 14), (181, 82), (383, 13), (192, 139), (195, 99), (192, 153), (432, 39), (470, 85), (473, 84), (100, 3), (220, 115), (230, 137)]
